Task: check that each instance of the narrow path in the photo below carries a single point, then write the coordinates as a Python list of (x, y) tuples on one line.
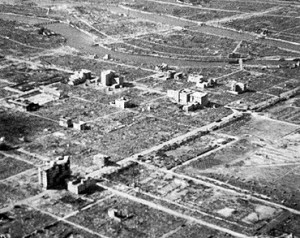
[(17, 158), (272, 165), (20, 43), (238, 46), (244, 16), (40, 157), (205, 154)]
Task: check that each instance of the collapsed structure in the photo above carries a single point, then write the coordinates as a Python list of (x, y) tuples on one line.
[(166, 72), (23, 104), (121, 103), (206, 84), (54, 92), (80, 77), (118, 215), (33, 99), (191, 100), (201, 82)]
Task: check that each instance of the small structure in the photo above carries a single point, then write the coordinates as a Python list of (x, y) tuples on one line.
[(80, 185), (107, 57), (241, 64), (80, 77), (238, 88), (191, 100), (121, 103), (3, 144), (163, 67), (170, 74), (206, 84), (234, 55), (54, 173), (110, 79), (23, 104), (65, 121), (117, 215), (80, 125), (101, 160), (195, 78), (178, 76), (46, 32)]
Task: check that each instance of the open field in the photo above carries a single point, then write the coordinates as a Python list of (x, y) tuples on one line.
[(10, 167), (143, 221), (275, 25), (60, 204), (25, 77), (104, 22), (26, 10), (211, 204), (176, 154), (237, 6), (101, 95), (287, 111), (23, 221), (18, 127), (255, 161), (27, 37), (128, 139), (179, 11), (263, 50), (20, 187), (75, 108), (178, 44), (61, 229)]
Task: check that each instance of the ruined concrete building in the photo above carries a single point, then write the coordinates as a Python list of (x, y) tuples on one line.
[(101, 160), (118, 215), (107, 57), (80, 125), (191, 100), (80, 185), (238, 88), (206, 84), (53, 173), (110, 79), (170, 74)]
